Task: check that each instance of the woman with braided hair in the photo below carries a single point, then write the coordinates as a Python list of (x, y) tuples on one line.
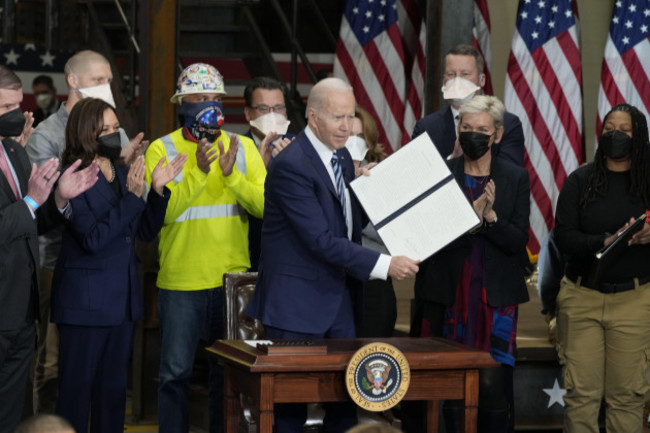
[(604, 325)]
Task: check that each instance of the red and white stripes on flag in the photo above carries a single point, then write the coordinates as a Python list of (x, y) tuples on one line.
[(626, 65), (481, 40), (544, 88), (414, 34), (380, 52)]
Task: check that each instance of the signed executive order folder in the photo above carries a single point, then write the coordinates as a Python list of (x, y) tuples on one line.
[(414, 202)]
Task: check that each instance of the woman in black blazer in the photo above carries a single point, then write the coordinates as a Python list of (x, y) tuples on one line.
[(469, 291), (96, 295)]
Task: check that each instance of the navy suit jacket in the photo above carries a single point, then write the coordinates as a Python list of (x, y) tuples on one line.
[(441, 129), (307, 264), (505, 244), (255, 226), (96, 279)]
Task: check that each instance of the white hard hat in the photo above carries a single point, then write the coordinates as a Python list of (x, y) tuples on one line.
[(198, 78)]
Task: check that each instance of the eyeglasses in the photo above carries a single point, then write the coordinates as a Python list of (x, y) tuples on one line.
[(266, 109)]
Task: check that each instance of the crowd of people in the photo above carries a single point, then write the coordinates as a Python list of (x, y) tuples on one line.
[(280, 204)]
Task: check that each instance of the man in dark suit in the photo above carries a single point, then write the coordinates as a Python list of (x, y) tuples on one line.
[(465, 62), (312, 266), (26, 206), (263, 96)]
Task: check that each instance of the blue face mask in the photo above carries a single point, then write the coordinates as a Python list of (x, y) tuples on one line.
[(203, 119)]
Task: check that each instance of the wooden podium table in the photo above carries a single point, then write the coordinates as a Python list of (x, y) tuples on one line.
[(440, 369)]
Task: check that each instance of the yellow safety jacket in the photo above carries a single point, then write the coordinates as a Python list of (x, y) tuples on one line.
[(205, 233)]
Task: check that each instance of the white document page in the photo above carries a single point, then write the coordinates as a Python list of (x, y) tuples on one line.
[(430, 224), (400, 178)]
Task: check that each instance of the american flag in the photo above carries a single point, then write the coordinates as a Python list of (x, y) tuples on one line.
[(626, 66), (481, 40), (380, 52), (544, 88), (28, 61)]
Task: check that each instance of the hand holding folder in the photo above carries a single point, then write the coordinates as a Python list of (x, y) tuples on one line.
[(609, 254)]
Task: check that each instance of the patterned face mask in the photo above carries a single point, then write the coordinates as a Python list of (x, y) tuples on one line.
[(203, 119)]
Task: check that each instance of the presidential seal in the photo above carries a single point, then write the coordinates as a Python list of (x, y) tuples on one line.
[(377, 377)]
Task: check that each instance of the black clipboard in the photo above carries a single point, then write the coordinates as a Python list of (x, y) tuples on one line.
[(606, 256)]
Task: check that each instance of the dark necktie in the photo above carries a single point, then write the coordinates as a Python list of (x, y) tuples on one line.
[(340, 187), (4, 167)]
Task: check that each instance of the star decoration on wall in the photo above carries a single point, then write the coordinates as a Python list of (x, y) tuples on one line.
[(556, 394)]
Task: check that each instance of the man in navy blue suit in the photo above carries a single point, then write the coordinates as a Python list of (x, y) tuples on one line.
[(464, 64), (312, 266)]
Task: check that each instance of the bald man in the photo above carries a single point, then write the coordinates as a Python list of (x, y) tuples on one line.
[(88, 74), (45, 424)]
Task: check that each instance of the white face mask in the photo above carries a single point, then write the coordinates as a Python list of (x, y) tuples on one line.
[(271, 122), (44, 100), (103, 92), (459, 90), (357, 147)]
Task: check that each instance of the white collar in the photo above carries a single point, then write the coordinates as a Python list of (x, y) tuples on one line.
[(324, 152)]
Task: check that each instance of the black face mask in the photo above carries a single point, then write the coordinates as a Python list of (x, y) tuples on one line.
[(616, 144), (474, 144), (12, 123), (110, 146)]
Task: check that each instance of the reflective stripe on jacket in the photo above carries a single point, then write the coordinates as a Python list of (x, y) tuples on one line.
[(206, 224)]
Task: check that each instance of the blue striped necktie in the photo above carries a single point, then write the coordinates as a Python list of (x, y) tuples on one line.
[(340, 187)]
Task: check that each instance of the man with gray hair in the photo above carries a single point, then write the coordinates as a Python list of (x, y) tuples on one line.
[(312, 265)]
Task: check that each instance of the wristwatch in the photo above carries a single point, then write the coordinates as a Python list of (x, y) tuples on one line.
[(494, 221)]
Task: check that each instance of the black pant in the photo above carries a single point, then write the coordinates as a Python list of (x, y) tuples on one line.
[(379, 310), (16, 349)]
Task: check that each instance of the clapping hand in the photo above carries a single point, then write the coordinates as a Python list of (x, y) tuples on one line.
[(266, 147), (134, 148), (27, 129), (42, 179), (227, 159), (205, 155), (490, 194), (72, 182), (281, 145), (479, 206), (135, 177), (269, 147), (163, 174)]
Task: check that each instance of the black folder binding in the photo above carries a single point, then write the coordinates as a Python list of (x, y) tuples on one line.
[(415, 201), (606, 256)]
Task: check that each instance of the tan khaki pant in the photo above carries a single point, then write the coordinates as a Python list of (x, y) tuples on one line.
[(604, 347)]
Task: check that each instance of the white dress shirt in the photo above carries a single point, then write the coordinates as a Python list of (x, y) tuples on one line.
[(380, 270)]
